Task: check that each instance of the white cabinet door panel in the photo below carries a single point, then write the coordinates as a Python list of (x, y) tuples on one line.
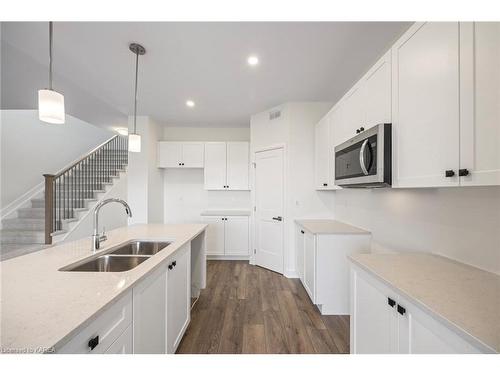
[(215, 235), (374, 321), (480, 103), (178, 296), (149, 302), (169, 154), (321, 153), (123, 344), (309, 265), (237, 165), (236, 235), (215, 165), (377, 95), (300, 238), (426, 105), (193, 154)]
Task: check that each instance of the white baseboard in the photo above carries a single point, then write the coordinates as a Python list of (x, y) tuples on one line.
[(291, 274)]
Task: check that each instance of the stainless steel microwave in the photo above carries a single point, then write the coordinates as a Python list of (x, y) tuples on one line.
[(366, 159)]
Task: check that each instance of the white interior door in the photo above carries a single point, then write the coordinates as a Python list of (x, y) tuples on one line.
[(269, 203)]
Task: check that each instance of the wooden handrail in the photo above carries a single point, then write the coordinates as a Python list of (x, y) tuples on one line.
[(79, 160)]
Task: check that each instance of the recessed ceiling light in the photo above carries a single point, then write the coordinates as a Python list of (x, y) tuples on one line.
[(253, 60), (190, 103), (122, 131)]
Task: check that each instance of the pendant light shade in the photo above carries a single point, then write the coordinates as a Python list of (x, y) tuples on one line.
[(51, 106), (134, 139), (50, 102), (134, 143)]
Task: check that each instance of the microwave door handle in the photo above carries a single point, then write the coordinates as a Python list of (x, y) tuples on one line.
[(362, 157)]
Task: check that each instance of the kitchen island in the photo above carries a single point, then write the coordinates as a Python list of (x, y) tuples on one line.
[(44, 309)]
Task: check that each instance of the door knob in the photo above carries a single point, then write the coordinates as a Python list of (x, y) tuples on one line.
[(278, 218)]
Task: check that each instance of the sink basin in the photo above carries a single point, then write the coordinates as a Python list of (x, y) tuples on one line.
[(108, 263), (140, 248)]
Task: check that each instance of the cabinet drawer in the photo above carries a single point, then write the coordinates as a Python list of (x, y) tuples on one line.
[(108, 327), (123, 344)]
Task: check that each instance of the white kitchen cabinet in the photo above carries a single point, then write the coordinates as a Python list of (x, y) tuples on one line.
[(377, 90), (426, 106), (181, 154), (227, 235), (309, 266), (103, 331), (479, 103), (236, 235), (123, 344), (323, 267), (150, 303), (215, 235), (226, 166), (322, 154), (382, 321), (300, 246), (178, 296)]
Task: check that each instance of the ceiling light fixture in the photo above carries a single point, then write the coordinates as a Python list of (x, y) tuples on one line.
[(134, 139), (190, 103), (50, 102), (253, 60)]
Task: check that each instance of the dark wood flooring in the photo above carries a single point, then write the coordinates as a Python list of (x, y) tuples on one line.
[(248, 309)]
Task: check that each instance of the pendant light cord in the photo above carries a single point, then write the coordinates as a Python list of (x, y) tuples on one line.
[(135, 94), (50, 55)]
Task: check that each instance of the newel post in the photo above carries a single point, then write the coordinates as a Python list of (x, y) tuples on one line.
[(49, 207)]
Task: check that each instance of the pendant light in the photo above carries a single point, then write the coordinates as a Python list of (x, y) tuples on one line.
[(50, 102), (134, 139)]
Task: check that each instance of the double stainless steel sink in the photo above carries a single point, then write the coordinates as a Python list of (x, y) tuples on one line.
[(120, 258)]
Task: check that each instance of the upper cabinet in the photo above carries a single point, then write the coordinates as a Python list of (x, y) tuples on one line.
[(446, 105), (426, 106), (180, 154), (227, 165), (480, 103), (321, 154)]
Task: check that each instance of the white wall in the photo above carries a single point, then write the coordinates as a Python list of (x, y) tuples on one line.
[(185, 196), (30, 148), (111, 216), (460, 223), (145, 181)]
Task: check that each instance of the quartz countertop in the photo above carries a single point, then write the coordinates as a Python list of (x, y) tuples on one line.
[(466, 299), (329, 227), (41, 307), (223, 212)]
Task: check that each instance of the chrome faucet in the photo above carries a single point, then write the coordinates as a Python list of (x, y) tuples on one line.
[(96, 237)]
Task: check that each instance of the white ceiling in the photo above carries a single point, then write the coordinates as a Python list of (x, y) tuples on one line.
[(206, 62)]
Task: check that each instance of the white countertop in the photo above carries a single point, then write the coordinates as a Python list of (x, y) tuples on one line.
[(42, 307), (466, 298), (329, 227), (223, 212)]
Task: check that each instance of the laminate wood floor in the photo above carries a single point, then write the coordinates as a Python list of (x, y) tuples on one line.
[(248, 309)]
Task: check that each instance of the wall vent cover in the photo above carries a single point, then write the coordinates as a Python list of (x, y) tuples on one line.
[(274, 115)]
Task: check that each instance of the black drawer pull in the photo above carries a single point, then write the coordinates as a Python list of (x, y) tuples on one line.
[(302, 232), (93, 342), (449, 173), (170, 266), (391, 302), (174, 263), (401, 309), (325, 184), (463, 172)]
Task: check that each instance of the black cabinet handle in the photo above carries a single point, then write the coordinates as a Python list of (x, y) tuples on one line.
[(170, 266), (278, 218), (391, 302), (361, 129), (325, 184), (358, 131), (401, 309), (449, 173), (302, 232), (93, 342), (463, 172), (180, 163), (174, 263)]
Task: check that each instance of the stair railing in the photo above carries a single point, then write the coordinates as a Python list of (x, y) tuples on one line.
[(68, 189)]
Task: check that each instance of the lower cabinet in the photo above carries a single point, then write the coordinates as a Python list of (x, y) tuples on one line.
[(152, 318), (227, 235), (323, 267), (382, 321)]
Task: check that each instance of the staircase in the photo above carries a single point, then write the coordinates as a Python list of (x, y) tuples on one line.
[(48, 216)]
